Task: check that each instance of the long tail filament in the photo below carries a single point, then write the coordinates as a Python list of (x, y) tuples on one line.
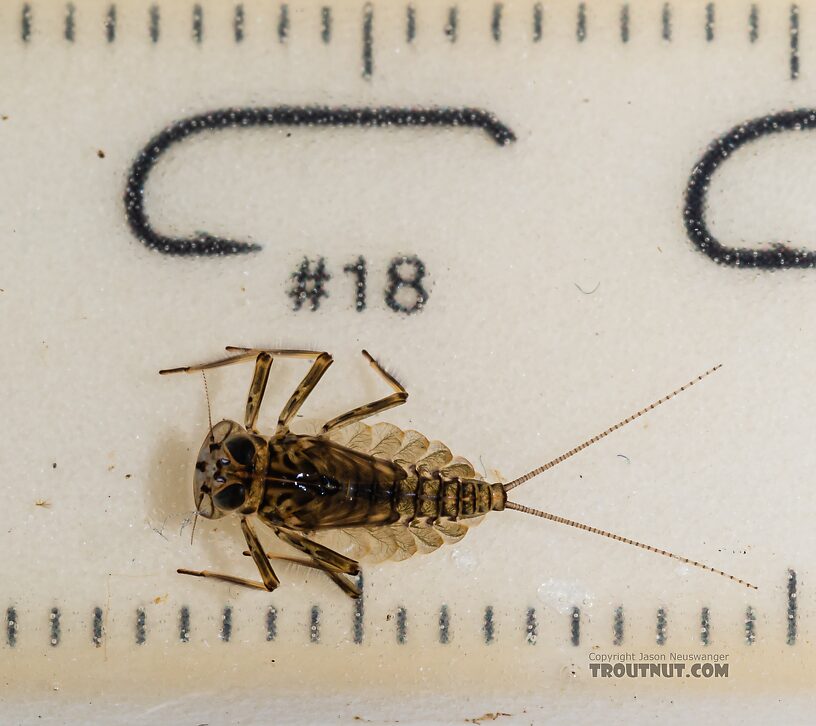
[(626, 540), (550, 464)]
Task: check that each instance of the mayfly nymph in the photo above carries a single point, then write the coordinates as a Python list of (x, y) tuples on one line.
[(393, 492)]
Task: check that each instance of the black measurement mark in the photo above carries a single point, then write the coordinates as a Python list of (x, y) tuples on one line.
[(531, 627), (452, 26), (410, 24), (283, 23), (575, 626), (662, 624), (617, 627), (198, 23), (271, 624), (773, 256), (110, 24), (97, 627), (205, 244), (226, 624), (624, 23), (141, 627), (25, 23), (359, 612), (154, 23), (368, 41), (665, 19), (791, 638), (11, 627), (444, 625), (489, 627), (794, 42), (309, 283), (538, 22), (358, 270), (56, 630), (406, 274), (402, 625), (314, 624), (184, 624), (496, 22), (750, 626), (70, 22), (238, 23), (705, 626), (581, 23), (753, 24), (325, 24), (709, 22)]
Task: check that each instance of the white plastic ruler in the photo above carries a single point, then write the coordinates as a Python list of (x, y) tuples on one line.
[(540, 217)]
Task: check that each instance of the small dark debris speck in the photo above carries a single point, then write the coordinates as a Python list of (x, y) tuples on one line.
[(100, 153)]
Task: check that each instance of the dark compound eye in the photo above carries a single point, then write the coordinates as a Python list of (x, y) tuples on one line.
[(242, 449), (231, 497)]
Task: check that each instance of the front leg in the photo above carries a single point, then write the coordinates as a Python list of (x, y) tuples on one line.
[(270, 579)]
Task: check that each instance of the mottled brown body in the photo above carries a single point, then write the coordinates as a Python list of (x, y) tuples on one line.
[(392, 493)]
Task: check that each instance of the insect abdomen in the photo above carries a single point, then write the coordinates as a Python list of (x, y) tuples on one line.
[(428, 495)]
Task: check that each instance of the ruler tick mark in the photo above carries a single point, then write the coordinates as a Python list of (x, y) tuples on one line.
[(531, 627), (750, 626), (325, 24), (444, 625), (368, 40), (283, 23), (314, 624), (451, 27), (402, 625), (581, 23), (489, 627), (141, 628), (496, 22), (753, 24), (154, 18), (709, 22), (198, 23), (110, 24), (662, 624), (359, 612), (184, 624), (575, 626), (226, 624), (97, 627), (70, 22), (705, 626), (538, 22), (410, 23), (792, 583), (617, 626), (665, 19), (11, 627), (238, 23), (55, 627), (25, 23), (624, 23), (794, 42), (271, 624)]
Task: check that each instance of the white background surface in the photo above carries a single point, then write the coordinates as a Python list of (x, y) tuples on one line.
[(509, 364)]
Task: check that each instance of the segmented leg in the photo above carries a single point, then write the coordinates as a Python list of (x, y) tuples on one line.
[(332, 563), (369, 409), (322, 361), (257, 389), (346, 586), (270, 579)]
